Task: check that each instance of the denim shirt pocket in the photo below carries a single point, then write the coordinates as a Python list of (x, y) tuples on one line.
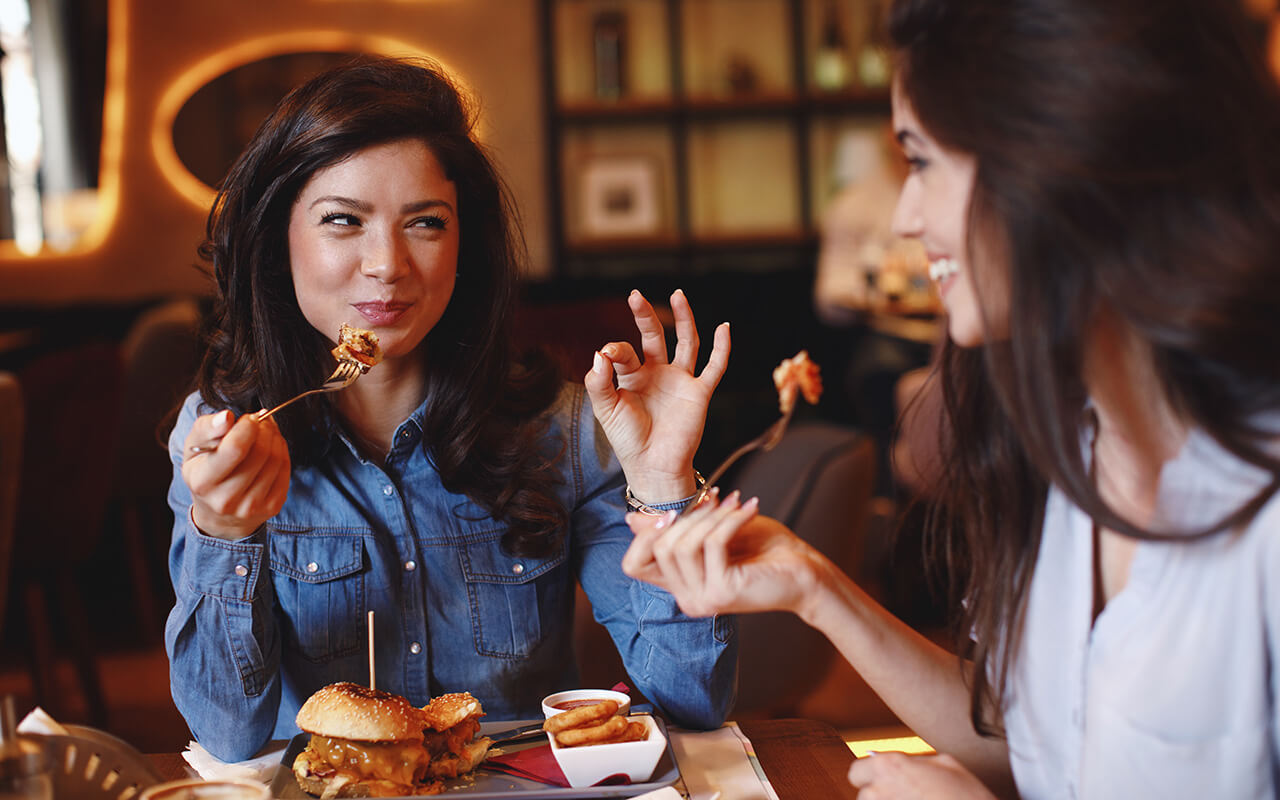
[(507, 595), (319, 585)]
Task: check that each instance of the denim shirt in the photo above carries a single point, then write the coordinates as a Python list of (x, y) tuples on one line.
[(262, 622)]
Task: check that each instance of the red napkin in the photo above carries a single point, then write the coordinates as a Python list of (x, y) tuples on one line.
[(538, 764)]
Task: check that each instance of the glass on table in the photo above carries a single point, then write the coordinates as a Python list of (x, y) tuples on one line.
[(197, 789)]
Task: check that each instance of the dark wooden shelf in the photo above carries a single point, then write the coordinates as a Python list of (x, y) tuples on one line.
[(683, 116), (670, 245), (723, 106)]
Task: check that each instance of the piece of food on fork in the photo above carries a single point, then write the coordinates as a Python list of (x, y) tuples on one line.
[(358, 345), (794, 374)]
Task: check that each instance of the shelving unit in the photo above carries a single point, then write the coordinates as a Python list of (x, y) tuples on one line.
[(715, 154)]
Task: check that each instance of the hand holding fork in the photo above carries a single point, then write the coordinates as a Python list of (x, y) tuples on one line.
[(342, 377)]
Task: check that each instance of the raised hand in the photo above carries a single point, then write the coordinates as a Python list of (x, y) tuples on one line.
[(655, 414), (722, 558), (241, 483)]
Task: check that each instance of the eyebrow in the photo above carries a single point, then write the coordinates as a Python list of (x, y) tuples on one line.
[(363, 207)]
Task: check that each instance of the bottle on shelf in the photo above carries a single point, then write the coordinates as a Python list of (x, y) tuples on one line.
[(609, 34), (831, 59), (873, 56)]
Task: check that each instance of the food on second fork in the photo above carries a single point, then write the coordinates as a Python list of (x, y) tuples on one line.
[(369, 743), (358, 345), (594, 724), (797, 373)]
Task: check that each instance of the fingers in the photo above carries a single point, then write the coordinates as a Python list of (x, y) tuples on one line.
[(718, 361), (653, 342), (600, 388), (206, 433), (688, 556), (716, 547), (638, 561), (687, 342), (243, 482)]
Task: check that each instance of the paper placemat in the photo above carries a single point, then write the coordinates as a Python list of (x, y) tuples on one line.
[(720, 763)]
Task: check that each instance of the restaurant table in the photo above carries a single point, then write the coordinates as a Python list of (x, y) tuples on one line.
[(802, 758)]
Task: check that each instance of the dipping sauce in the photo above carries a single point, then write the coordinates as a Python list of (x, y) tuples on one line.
[(568, 704)]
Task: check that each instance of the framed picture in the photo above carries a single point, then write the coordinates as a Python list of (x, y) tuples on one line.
[(620, 196)]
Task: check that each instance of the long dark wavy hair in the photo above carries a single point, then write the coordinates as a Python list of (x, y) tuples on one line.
[(1128, 164), (485, 420)]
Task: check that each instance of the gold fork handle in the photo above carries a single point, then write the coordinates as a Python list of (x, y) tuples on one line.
[(767, 440), (265, 413)]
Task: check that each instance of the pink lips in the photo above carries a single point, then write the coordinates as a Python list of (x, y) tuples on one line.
[(381, 314)]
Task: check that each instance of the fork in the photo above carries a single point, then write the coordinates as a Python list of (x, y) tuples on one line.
[(345, 375), (765, 441)]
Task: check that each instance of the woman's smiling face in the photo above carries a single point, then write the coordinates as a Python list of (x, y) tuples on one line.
[(373, 242), (934, 208)]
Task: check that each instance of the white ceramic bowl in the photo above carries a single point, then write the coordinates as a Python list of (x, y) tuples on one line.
[(595, 695), (589, 764)]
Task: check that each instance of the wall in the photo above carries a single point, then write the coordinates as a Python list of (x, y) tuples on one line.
[(152, 210)]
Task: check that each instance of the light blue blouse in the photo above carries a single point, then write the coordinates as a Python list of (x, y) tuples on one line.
[(1172, 692)]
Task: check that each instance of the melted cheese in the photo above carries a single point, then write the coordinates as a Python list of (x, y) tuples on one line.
[(401, 762)]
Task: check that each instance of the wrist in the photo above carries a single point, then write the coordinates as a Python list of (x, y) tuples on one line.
[(817, 605), (215, 529), (681, 494)]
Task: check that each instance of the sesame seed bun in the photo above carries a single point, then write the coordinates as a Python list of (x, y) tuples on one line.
[(355, 712), (447, 710)]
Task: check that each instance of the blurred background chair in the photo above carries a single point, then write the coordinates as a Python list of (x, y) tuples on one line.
[(11, 427), (818, 481), (160, 354), (72, 401)]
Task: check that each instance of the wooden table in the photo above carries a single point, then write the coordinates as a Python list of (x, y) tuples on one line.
[(803, 759)]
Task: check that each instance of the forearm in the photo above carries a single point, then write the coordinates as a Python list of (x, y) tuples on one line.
[(222, 644), (921, 682), (687, 666)]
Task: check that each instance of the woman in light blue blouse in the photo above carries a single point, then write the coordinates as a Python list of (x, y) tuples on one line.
[(1097, 184), (457, 489)]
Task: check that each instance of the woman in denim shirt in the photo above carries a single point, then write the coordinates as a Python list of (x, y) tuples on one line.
[(457, 489)]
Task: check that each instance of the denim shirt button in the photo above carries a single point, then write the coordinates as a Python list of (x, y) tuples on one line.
[(517, 569), (410, 566), (312, 567), (415, 648), (388, 490), (241, 570)]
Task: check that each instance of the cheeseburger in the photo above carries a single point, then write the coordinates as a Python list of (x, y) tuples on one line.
[(370, 743)]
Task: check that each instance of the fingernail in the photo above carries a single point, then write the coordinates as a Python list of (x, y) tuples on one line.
[(221, 420), (597, 363), (634, 292), (733, 496), (715, 491), (751, 504), (666, 519)]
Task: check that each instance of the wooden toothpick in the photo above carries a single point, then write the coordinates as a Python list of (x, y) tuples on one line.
[(373, 679)]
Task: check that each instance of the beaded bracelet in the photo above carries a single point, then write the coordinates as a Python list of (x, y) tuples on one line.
[(636, 504)]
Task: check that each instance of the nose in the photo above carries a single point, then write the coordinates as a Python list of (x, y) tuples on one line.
[(387, 257), (908, 221)]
